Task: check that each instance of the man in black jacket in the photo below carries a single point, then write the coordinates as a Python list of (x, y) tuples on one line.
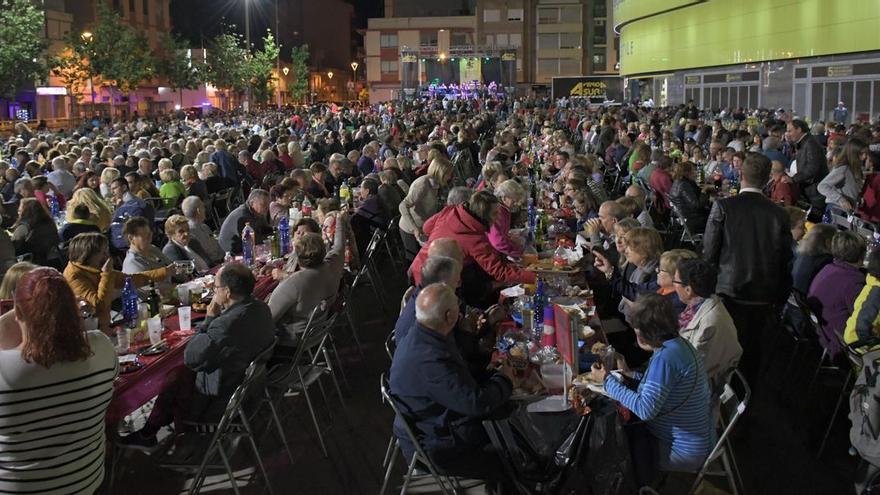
[(237, 328), (811, 165), (748, 238)]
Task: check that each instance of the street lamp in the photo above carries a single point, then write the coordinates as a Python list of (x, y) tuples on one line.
[(285, 71), (247, 31), (354, 70), (87, 38), (330, 75)]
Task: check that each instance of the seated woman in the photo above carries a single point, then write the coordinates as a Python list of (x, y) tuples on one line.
[(835, 288), (89, 180), (10, 331), (142, 255), (57, 382), (91, 275), (79, 224), (685, 194), (669, 262), (34, 232), (483, 265), (869, 207), (305, 225), (368, 216), (43, 189), (282, 199), (511, 196), (172, 191), (194, 211), (643, 249), (195, 186), (180, 247), (813, 254), (863, 326), (317, 279), (705, 322), (671, 396), (99, 211)]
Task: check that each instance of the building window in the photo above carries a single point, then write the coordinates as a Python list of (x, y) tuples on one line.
[(160, 14), (389, 67), (599, 9), (388, 41), (490, 40), (146, 6), (117, 6), (132, 9), (548, 41), (515, 14), (599, 61), (569, 40), (599, 35), (459, 39), (491, 15), (428, 38), (548, 66), (501, 40), (548, 15), (516, 40), (570, 14)]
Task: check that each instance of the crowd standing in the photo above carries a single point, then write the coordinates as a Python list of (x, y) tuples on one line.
[(91, 205)]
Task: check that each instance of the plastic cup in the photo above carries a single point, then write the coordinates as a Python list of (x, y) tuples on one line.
[(154, 329), (183, 294), (184, 313), (123, 340)]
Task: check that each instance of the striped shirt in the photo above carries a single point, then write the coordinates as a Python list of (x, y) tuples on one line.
[(673, 398), (52, 421)]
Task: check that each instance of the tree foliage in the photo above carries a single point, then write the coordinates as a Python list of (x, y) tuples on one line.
[(228, 62), (300, 68), (261, 65), (177, 66), (72, 69), (118, 53), (21, 45)]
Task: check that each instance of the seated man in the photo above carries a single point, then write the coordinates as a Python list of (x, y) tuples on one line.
[(127, 206), (237, 329), (368, 216), (256, 212), (705, 322), (431, 382)]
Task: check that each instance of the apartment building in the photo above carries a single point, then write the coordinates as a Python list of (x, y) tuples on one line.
[(573, 37)]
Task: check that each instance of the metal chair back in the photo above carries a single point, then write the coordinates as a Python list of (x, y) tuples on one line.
[(839, 217)]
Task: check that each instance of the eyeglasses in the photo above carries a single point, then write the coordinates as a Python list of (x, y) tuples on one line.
[(679, 282)]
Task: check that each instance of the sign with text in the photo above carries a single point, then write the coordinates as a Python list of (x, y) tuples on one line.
[(598, 89)]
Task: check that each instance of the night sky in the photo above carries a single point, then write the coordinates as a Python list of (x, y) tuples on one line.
[(199, 20)]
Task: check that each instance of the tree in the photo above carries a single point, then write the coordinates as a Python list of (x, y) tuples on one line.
[(21, 45), (300, 67), (119, 54), (73, 71), (261, 66), (225, 69), (177, 66)]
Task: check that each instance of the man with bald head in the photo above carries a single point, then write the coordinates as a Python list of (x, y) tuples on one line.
[(447, 247), (431, 382)]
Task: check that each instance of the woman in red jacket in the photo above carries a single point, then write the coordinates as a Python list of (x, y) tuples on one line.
[(483, 266), (869, 209)]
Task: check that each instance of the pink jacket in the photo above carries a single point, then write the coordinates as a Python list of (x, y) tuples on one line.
[(499, 234)]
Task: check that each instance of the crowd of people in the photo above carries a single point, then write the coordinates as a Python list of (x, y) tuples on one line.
[(87, 207)]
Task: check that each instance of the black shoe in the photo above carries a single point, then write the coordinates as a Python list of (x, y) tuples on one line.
[(139, 441)]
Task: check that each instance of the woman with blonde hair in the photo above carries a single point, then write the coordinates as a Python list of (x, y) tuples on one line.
[(643, 247), (493, 175), (108, 175), (512, 196), (421, 202), (10, 332), (99, 211)]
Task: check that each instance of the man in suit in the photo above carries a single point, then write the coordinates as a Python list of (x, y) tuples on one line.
[(748, 238), (811, 165), (432, 385), (237, 328)]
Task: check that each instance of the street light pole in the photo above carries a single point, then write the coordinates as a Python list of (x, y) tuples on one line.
[(86, 36), (247, 35), (354, 70), (278, 57)]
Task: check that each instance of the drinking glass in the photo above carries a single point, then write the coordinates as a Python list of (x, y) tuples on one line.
[(183, 294), (154, 329), (185, 315)]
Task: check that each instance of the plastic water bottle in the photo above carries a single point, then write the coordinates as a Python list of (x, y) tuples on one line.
[(307, 208), (538, 305), (129, 303), (247, 244), (53, 206), (532, 215), (345, 192), (284, 235)]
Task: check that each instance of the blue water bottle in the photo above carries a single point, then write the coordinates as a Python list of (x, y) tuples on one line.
[(539, 309), (129, 303), (53, 206), (284, 235), (247, 244)]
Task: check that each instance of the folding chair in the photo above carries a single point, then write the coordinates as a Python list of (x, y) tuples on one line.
[(368, 269), (234, 424), (391, 239), (406, 295), (305, 368), (839, 217), (343, 307), (687, 236), (219, 199), (864, 228), (732, 407), (419, 457)]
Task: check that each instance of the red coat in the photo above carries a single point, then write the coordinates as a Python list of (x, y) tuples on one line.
[(870, 207), (456, 223), (661, 182), (784, 190)]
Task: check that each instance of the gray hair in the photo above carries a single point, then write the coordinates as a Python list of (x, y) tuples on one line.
[(439, 269), (257, 194), (191, 205), (771, 143), (59, 163), (432, 304), (458, 195), (511, 189)]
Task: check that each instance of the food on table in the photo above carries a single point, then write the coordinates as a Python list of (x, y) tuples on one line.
[(585, 379), (580, 398)]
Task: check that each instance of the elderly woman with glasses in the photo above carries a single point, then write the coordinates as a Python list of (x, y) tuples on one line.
[(511, 196), (181, 246), (666, 275)]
